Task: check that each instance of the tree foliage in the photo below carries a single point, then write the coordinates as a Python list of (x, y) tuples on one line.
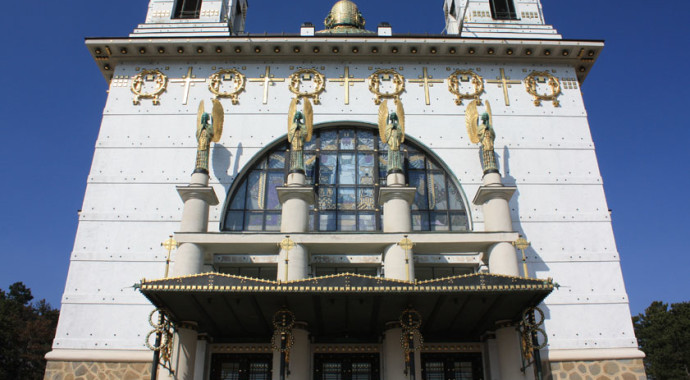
[(26, 333), (664, 336)]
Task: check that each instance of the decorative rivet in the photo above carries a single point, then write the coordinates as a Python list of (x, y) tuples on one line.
[(491, 51), (355, 50), (219, 49), (296, 49), (433, 50), (316, 49), (238, 49), (106, 67), (394, 50), (199, 50), (565, 53), (142, 50), (451, 50), (257, 50), (413, 50), (590, 53), (547, 52), (471, 51), (509, 51), (180, 50), (123, 50), (528, 52), (374, 50), (583, 69), (98, 51), (276, 49), (335, 50)]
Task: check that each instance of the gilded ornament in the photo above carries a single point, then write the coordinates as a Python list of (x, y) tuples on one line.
[(300, 129), (541, 77), (314, 75), (425, 80), (164, 331), (140, 82), (482, 133), (267, 79), (475, 80), (209, 129), (233, 76), (347, 80), (375, 79), (532, 334), (188, 80), (505, 83)]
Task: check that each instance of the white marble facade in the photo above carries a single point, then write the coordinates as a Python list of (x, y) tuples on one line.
[(143, 151)]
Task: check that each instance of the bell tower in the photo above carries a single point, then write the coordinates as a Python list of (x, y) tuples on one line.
[(193, 18), (497, 19)]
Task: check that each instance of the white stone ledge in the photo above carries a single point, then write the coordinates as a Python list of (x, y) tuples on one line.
[(135, 356), (593, 354)]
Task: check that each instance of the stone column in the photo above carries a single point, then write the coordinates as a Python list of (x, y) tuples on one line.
[(300, 356), (494, 198), (396, 200), (197, 198), (186, 350), (394, 356), (296, 197)]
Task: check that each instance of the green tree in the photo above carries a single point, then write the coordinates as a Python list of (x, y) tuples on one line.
[(664, 336), (26, 333)]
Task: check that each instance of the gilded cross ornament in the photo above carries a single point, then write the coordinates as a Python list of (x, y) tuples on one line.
[(169, 245), (397, 80), (504, 82), (188, 81), (237, 80), (267, 79), (523, 244), (426, 81), (551, 81), (149, 84), (470, 76), (286, 244), (407, 245), (307, 75), (347, 81)]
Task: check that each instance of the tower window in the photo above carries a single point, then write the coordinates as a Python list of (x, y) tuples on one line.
[(187, 9), (503, 10)]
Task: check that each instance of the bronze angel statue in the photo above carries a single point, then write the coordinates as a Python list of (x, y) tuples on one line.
[(209, 127), (300, 127), (392, 132), (482, 133)]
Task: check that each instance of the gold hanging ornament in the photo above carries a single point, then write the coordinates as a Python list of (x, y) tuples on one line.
[(411, 339), (532, 333), (283, 339), (164, 346)]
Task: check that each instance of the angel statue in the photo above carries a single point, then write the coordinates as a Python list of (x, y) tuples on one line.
[(300, 127), (392, 132), (482, 133), (209, 127)]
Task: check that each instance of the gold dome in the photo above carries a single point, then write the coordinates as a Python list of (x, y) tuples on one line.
[(344, 17)]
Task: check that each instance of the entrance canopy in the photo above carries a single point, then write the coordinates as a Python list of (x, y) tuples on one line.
[(345, 307)]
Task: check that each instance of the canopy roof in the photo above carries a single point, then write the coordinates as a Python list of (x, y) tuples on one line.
[(345, 307)]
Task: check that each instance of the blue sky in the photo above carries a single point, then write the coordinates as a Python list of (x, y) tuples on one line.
[(636, 96)]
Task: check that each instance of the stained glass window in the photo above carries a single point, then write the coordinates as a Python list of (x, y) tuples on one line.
[(347, 167)]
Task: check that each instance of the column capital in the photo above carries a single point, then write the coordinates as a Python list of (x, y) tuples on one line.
[(486, 193), (305, 193), (405, 193), (204, 193)]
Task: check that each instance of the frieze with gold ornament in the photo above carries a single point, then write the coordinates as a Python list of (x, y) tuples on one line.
[(551, 81), (476, 81), (146, 78), (233, 76), (378, 76), (297, 78)]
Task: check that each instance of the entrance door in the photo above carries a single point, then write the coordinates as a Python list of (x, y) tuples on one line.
[(346, 367), (241, 366), (452, 367)]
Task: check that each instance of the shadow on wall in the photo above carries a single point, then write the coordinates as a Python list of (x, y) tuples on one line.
[(220, 163)]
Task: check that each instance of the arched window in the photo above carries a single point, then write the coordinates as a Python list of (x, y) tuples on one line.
[(346, 166)]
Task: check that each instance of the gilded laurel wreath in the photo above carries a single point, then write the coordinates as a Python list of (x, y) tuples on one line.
[(140, 83), (465, 75), (553, 83), (375, 79), (233, 76), (301, 75)]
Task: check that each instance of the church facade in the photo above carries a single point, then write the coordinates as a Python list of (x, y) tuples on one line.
[(362, 204)]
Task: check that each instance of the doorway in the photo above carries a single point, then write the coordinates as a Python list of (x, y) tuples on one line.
[(346, 367), (452, 367), (241, 366)]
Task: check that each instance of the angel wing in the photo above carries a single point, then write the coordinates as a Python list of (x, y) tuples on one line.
[(199, 115), (291, 115), (471, 118), (308, 118), (488, 111), (400, 111), (383, 119), (218, 120)]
